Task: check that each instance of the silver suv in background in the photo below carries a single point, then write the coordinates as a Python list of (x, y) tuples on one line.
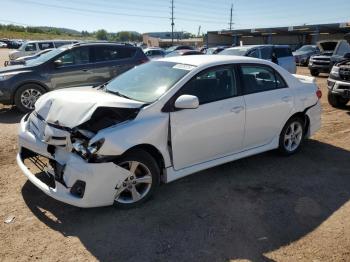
[(33, 47), (278, 54)]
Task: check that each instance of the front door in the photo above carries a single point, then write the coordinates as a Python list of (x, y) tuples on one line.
[(268, 101), (75, 69), (214, 129)]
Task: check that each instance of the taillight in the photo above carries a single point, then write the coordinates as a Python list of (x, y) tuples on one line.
[(319, 93)]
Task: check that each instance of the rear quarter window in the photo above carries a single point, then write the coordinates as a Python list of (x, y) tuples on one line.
[(112, 53)]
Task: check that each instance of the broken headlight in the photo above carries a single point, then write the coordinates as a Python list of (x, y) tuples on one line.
[(87, 151)]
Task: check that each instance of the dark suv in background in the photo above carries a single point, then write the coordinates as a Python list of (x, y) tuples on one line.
[(81, 64), (331, 52)]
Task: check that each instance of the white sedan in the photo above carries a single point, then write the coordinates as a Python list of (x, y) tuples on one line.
[(161, 121), (2, 44)]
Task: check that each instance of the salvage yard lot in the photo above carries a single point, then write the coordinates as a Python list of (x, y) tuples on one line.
[(255, 209)]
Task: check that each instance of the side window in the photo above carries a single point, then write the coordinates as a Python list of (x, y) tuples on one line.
[(30, 47), (77, 56), (266, 52), (127, 52), (254, 53), (110, 53), (260, 78), (43, 46), (283, 52), (212, 85), (59, 44)]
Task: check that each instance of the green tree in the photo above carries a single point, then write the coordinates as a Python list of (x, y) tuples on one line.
[(101, 34)]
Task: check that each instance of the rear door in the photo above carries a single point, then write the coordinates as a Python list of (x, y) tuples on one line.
[(285, 58), (110, 61), (75, 69), (268, 101)]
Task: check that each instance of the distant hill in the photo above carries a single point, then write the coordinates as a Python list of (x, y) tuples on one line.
[(60, 29)]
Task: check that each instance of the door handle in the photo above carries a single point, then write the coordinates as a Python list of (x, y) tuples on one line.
[(237, 109), (286, 98)]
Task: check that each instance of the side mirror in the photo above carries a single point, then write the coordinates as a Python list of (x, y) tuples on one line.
[(186, 102), (347, 56), (57, 63)]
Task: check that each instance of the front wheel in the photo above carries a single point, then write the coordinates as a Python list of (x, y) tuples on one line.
[(292, 136), (26, 96), (336, 100), (141, 183)]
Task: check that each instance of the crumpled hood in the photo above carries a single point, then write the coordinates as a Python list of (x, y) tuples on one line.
[(73, 106)]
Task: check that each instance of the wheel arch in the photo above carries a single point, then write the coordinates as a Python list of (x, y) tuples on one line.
[(28, 83), (153, 151), (304, 117)]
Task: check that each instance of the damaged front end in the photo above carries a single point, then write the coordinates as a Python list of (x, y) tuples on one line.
[(70, 168)]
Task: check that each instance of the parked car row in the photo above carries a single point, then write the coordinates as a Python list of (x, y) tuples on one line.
[(12, 43)]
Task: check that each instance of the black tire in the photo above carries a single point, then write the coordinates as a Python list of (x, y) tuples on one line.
[(147, 160), (314, 72), (307, 61), (282, 142), (336, 100), (32, 88)]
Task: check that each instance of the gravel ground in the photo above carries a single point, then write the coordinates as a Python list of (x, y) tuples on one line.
[(262, 208)]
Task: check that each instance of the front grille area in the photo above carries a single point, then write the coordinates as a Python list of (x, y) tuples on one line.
[(47, 170), (321, 61), (344, 73), (344, 87)]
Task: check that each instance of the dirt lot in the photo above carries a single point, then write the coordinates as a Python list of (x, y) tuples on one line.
[(263, 208)]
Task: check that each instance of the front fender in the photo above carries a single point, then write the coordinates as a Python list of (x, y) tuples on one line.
[(152, 130)]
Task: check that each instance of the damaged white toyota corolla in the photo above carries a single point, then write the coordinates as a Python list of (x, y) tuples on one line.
[(162, 121)]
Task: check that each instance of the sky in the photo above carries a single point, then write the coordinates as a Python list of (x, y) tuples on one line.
[(154, 15)]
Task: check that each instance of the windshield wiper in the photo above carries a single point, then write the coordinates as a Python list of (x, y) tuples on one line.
[(102, 86), (118, 94)]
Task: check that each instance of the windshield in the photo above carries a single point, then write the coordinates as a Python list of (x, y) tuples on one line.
[(234, 51), (172, 48), (149, 81), (306, 48), (45, 57)]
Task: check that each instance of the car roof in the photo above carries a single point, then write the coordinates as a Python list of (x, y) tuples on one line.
[(102, 44), (49, 40), (202, 60), (247, 47)]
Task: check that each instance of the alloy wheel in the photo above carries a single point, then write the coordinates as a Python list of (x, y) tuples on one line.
[(293, 136), (137, 185), (29, 97)]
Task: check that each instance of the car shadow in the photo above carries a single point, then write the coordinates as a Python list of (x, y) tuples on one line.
[(10, 115), (242, 209)]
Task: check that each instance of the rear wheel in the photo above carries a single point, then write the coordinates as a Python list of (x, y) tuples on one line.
[(26, 96), (336, 100), (292, 136), (314, 72), (143, 180)]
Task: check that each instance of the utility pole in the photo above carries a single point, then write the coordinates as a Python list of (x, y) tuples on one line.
[(172, 22), (231, 17), (199, 31)]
